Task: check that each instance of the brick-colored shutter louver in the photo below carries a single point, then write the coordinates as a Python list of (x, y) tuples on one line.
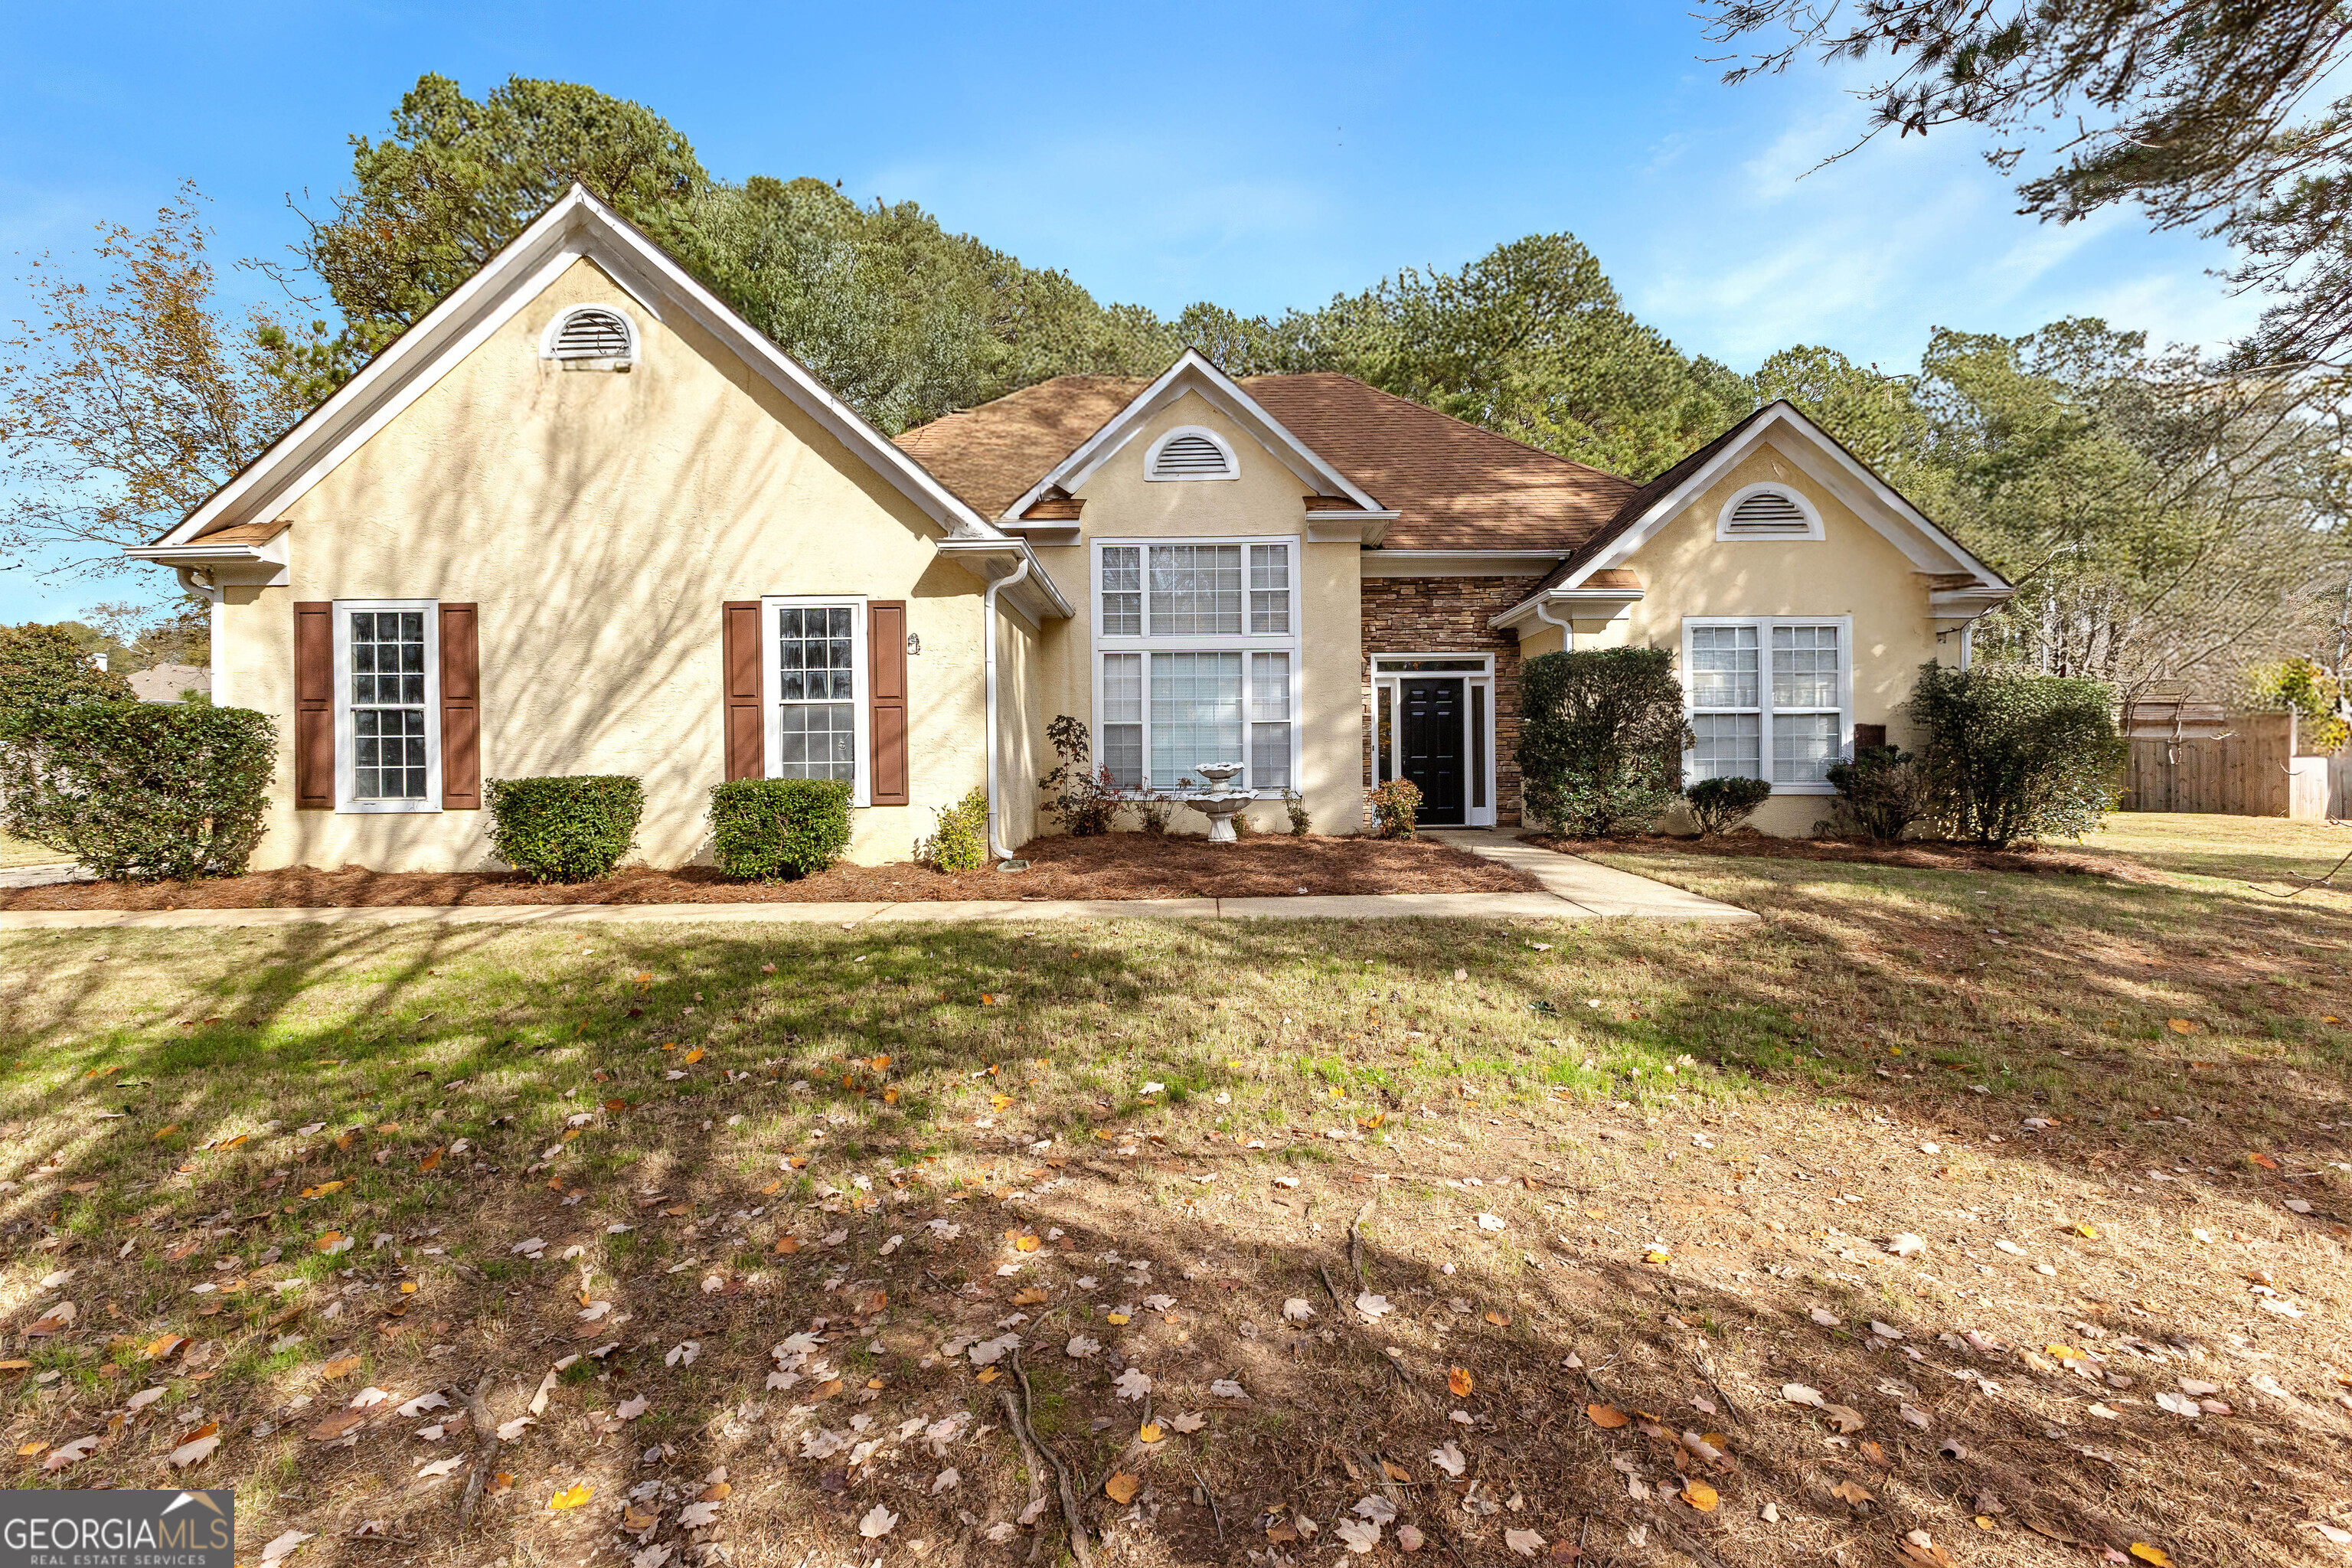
[(314, 707), (746, 723), (886, 648), (461, 708)]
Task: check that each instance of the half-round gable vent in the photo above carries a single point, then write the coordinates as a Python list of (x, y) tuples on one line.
[(1191, 456), (591, 333), (1769, 511)]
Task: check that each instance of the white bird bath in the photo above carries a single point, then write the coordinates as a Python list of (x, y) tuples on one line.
[(1220, 805)]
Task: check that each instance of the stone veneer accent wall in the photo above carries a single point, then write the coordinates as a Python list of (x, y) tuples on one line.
[(1449, 615)]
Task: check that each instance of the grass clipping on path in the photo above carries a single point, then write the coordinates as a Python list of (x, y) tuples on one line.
[(743, 1228)]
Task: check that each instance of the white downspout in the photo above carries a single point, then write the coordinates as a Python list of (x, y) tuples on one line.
[(1567, 632), (202, 583), (996, 848)]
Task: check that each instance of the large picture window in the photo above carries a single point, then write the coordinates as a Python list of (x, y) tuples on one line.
[(1196, 657), (1769, 697), (387, 702), (816, 684)]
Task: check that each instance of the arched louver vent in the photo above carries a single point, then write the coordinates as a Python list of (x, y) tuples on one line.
[(1769, 511), (1191, 457), (592, 334)]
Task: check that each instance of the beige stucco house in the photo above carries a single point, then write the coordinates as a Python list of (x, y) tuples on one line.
[(583, 519)]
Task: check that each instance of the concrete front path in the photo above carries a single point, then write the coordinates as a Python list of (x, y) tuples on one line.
[(1574, 890)]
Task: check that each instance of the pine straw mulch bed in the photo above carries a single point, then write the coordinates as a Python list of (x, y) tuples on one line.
[(1119, 866), (1917, 855)]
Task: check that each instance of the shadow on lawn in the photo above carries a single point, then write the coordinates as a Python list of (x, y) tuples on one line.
[(544, 1023)]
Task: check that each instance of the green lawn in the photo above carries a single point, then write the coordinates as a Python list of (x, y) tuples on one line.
[(1689, 1142)]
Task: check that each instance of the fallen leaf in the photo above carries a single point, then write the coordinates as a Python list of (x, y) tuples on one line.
[(1526, 1542), (281, 1547), (197, 1446), (1851, 1491), (1458, 1382), (2146, 1553), (879, 1522), (1698, 1494), (1607, 1416), (1120, 1488), (572, 1497)]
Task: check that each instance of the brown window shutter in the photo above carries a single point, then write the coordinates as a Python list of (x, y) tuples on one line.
[(746, 697), (886, 651), (461, 708), (314, 707)]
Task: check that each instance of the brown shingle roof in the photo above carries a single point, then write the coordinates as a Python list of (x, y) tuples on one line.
[(990, 454), (1455, 486), (1640, 502)]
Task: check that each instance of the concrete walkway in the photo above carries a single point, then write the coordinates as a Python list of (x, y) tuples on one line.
[(1574, 890)]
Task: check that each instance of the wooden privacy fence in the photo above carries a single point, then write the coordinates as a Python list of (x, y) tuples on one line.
[(2191, 756)]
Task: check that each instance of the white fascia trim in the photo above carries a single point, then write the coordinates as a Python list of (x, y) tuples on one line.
[(1192, 373), (1842, 473), (1459, 562), (1364, 528), (577, 226), (1036, 597), (263, 565), (1572, 603)]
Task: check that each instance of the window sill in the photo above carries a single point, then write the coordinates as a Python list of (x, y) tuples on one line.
[(385, 808)]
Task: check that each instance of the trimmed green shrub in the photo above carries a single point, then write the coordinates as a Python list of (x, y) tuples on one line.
[(2017, 756), (1882, 794), (138, 789), (1718, 806), (961, 842), (568, 829), (1601, 735), (42, 667), (1395, 806), (766, 830)]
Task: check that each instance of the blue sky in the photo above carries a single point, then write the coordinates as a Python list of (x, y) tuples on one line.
[(1260, 155)]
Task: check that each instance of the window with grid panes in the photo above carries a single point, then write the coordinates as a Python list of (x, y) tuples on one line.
[(1766, 699), (1201, 684), (816, 692), (387, 696)]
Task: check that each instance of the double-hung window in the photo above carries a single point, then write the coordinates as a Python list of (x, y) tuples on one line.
[(387, 705), (817, 682), (1769, 697), (1196, 659)]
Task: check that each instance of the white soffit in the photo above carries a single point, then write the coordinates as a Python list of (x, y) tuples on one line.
[(577, 226)]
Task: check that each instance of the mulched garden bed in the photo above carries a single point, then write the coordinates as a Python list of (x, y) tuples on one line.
[(1913, 854), (1121, 866)]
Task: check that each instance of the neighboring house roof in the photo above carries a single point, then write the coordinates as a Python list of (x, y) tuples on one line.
[(1454, 486), (164, 683)]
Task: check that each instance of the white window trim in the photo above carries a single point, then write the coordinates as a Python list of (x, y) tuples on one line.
[(547, 339), (1483, 675), (1206, 642), (1151, 456), (1764, 626), (861, 694), (1804, 504), (346, 753)]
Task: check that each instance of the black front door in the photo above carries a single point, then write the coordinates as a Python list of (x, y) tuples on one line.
[(1430, 747)]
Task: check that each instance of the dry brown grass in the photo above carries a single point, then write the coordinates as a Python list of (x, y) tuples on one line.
[(1756, 1104)]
